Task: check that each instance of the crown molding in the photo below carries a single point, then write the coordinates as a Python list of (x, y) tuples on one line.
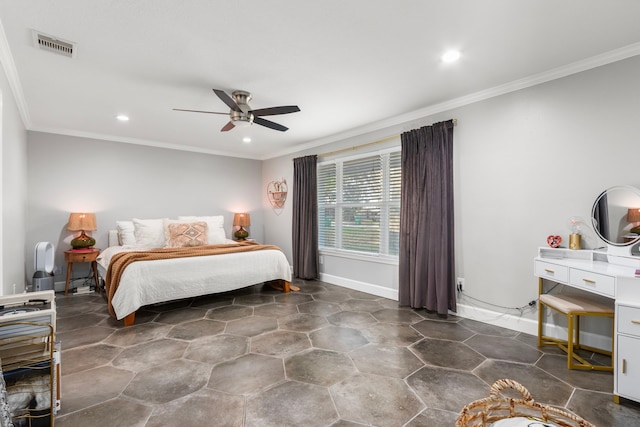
[(136, 141), (526, 82), (6, 59)]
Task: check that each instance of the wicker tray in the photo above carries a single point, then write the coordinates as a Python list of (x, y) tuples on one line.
[(497, 407)]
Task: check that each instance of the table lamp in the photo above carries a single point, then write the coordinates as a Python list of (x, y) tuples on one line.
[(633, 216), (82, 222), (241, 220)]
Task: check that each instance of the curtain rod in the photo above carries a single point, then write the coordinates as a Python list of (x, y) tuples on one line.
[(379, 141)]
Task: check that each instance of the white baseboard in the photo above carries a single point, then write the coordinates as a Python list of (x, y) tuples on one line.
[(508, 321), (529, 326), (369, 288)]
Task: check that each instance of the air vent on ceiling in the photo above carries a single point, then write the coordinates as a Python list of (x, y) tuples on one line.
[(54, 44)]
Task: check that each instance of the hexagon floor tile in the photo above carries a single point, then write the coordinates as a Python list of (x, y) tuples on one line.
[(323, 356)]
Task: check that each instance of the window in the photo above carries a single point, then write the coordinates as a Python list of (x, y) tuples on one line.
[(359, 203)]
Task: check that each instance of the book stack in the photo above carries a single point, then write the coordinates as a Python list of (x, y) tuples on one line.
[(80, 290)]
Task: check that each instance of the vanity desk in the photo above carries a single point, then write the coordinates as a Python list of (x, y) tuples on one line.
[(608, 273), (590, 271)]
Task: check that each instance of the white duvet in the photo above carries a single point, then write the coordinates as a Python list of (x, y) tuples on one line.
[(151, 282)]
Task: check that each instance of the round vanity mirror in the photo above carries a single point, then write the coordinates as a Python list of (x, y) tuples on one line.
[(616, 216)]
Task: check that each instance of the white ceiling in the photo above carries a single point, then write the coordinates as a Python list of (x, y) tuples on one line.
[(348, 64)]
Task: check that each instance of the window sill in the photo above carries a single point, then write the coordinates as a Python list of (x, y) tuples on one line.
[(361, 256)]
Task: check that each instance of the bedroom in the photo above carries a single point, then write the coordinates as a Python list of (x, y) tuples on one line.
[(526, 160)]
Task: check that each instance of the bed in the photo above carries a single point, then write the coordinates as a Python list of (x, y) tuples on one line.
[(162, 272)]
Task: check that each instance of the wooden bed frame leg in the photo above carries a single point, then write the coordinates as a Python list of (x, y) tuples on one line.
[(282, 285), (130, 319)]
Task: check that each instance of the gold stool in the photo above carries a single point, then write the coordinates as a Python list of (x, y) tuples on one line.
[(573, 307)]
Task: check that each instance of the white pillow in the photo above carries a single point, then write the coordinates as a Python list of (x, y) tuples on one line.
[(215, 227), (126, 237), (149, 233)]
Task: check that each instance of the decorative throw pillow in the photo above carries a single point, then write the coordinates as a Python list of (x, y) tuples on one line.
[(167, 232), (149, 233), (215, 224), (183, 235)]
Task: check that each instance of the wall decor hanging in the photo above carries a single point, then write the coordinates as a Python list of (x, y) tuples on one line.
[(277, 194)]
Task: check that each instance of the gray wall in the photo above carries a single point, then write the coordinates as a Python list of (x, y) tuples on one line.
[(525, 162), (13, 155), (121, 181)]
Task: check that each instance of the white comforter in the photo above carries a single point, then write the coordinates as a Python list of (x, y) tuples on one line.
[(151, 282)]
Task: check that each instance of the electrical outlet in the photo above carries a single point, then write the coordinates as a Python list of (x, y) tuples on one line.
[(57, 270), (460, 284)]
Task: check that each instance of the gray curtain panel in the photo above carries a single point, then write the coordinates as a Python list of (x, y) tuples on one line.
[(305, 218), (426, 259), (601, 216)]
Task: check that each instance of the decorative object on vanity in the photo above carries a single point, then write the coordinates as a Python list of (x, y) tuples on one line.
[(577, 226), (612, 223), (241, 220), (277, 194), (242, 115), (82, 222), (554, 241)]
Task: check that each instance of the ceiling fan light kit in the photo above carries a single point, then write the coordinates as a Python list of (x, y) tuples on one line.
[(241, 114)]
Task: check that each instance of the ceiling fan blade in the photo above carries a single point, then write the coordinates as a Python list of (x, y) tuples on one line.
[(269, 124), (198, 111), (227, 127), (272, 111), (227, 100)]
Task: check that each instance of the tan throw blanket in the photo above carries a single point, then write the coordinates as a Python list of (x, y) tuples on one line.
[(121, 260)]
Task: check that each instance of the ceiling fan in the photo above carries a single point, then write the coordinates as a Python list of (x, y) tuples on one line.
[(241, 113)]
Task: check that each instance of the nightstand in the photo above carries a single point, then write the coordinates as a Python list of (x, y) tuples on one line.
[(81, 256)]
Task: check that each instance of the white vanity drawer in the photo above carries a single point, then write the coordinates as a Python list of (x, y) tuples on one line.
[(593, 282), (628, 320), (547, 270)]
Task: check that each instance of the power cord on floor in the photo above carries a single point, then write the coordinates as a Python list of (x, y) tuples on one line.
[(531, 304)]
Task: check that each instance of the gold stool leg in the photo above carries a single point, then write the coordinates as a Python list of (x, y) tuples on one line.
[(570, 342), (540, 312), (577, 331)]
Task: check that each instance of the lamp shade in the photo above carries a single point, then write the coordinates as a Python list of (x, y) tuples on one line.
[(81, 221), (633, 215), (241, 220)]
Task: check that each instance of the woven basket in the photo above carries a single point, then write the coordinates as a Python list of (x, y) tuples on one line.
[(496, 407)]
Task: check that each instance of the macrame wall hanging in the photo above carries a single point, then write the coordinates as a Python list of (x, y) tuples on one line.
[(277, 194)]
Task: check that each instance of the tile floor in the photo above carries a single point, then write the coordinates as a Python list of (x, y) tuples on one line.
[(324, 356)]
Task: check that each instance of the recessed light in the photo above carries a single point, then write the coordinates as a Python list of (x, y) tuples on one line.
[(451, 56), (246, 139), (122, 118)]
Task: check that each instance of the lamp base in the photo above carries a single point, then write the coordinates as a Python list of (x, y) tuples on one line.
[(83, 242), (241, 234)]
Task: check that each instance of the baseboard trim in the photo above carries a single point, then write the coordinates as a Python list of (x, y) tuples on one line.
[(505, 320), (509, 321), (356, 285)]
